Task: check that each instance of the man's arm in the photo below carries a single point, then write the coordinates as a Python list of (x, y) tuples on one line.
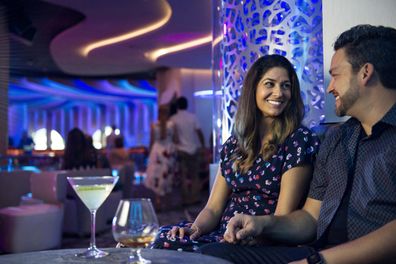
[(298, 227), (200, 137), (378, 246)]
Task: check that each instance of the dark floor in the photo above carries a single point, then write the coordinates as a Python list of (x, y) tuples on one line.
[(105, 239)]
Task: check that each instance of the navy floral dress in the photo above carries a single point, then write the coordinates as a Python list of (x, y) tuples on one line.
[(255, 192)]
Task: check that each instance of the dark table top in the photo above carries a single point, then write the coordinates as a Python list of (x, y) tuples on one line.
[(117, 255)]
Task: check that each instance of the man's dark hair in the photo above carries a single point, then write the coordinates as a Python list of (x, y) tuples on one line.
[(371, 44), (182, 103)]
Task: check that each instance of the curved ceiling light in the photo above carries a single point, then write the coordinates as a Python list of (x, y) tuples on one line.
[(133, 34), (217, 40), (154, 55)]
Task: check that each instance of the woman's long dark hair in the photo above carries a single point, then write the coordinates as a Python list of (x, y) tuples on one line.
[(248, 116), (163, 116), (76, 154)]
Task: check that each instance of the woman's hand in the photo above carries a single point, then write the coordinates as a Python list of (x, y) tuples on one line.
[(190, 230)]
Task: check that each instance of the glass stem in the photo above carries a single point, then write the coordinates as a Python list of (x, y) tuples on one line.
[(93, 229)]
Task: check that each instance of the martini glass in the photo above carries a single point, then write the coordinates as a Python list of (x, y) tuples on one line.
[(93, 191), (135, 225)]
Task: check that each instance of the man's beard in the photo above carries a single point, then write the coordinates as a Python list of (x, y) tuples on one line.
[(347, 100)]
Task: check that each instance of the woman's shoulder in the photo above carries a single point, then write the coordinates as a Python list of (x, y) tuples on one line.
[(302, 136), (230, 144), (231, 140), (302, 131)]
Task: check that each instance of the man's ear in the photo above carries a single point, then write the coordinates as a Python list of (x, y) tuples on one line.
[(366, 73)]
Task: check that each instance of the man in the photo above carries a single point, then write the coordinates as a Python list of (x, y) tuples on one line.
[(189, 140), (110, 139), (351, 206)]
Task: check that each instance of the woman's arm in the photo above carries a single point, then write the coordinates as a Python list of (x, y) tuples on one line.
[(209, 217), (294, 188)]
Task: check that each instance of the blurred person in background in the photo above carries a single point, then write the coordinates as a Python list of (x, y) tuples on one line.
[(26, 143), (161, 169), (78, 154), (189, 141)]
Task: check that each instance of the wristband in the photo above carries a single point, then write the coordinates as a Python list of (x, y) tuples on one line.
[(316, 258)]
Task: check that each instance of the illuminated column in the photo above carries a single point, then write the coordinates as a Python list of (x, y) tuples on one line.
[(245, 30)]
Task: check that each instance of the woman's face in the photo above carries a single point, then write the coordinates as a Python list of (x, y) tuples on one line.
[(273, 92)]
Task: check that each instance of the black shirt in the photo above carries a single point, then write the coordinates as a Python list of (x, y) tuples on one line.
[(371, 162)]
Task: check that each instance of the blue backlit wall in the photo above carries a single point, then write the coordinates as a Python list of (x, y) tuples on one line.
[(248, 29), (62, 104)]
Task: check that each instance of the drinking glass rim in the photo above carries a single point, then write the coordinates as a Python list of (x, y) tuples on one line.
[(135, 199), (91, 177)]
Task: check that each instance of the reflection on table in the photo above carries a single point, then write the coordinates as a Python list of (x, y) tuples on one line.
[(117, 255)]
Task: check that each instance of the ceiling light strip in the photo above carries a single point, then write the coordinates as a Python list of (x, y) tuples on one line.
[(109, 41), (154, 55)]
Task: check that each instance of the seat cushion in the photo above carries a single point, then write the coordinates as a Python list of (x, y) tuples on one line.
[(30, 227)]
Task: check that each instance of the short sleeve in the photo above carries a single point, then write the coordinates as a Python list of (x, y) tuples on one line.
[(301, 147), (319, 180), (226, 153)]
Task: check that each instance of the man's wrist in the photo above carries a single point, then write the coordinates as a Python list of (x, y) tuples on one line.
[(265, 223), (316, 258)]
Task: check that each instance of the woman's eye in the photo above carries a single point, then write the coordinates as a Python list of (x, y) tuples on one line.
[(268, 84), (286, 86)]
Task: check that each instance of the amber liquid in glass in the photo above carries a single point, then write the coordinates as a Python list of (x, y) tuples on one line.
[(136, 242)]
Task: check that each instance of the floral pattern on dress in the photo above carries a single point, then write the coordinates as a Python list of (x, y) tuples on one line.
[(161, 170), (256, 192)]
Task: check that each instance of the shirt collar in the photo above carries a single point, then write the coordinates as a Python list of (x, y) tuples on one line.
[(389, 119), (390, 116)]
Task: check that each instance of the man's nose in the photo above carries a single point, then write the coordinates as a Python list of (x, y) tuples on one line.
[(330, 87)]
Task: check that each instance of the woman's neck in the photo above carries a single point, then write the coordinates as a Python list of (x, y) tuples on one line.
[(265, 128)]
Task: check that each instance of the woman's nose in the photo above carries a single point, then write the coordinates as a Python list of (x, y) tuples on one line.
[(277, 90)]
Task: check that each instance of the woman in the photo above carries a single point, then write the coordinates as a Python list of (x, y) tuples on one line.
[(266, 165), (118, 156), (77, 153), (161, 167)]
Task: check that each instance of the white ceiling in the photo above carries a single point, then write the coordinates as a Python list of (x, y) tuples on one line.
[(102, 19)]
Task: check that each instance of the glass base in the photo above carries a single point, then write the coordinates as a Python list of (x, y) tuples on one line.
[(92, 253), (136, 257)]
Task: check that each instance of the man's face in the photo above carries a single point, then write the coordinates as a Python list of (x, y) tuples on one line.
[(343, 84)]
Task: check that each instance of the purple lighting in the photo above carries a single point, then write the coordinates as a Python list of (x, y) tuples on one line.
[(62, 104)]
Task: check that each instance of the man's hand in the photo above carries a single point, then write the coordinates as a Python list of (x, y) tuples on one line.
[(244, 229)]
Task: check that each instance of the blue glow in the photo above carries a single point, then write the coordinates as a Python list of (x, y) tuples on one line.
[(31, 168), (206, 93), (147, 86), (125, 84), (89, 104)]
